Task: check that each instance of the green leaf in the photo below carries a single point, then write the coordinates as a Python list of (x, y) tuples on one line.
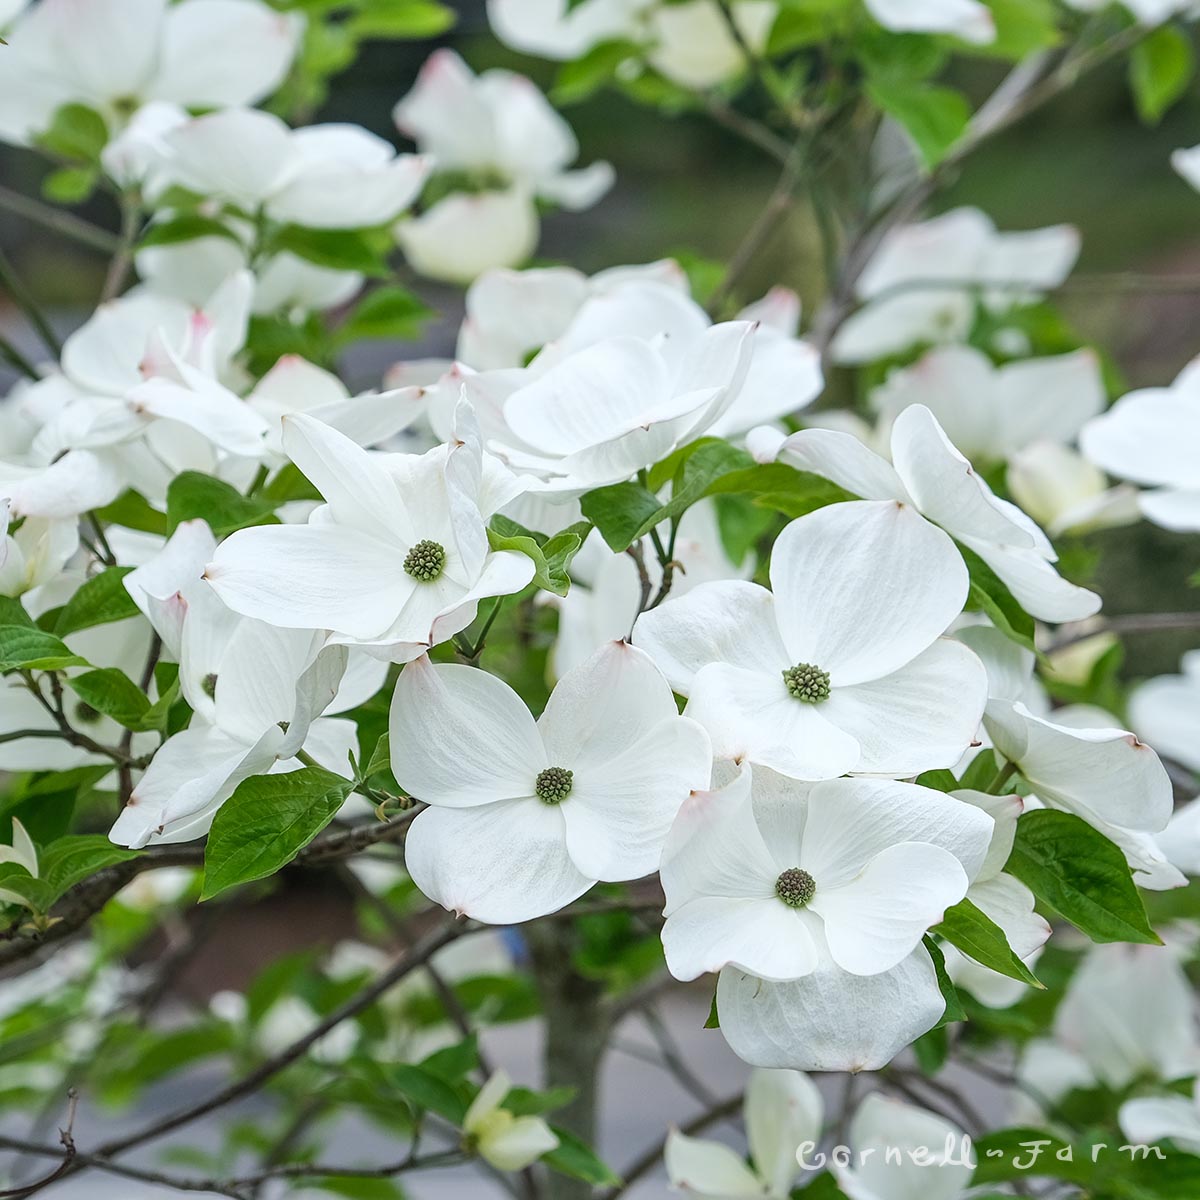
[(1160, 68), (1022, 26), (387, 312), (381, 758), (72, 859), (34, 650), (98, 601), (111, 692), (77, 133), (132, 511), (428, 1091), (980, 938), (338, 249), (36, 893), (954, 1009), (403, 19), (619, 511), (934, 117), (573, 1157), (70, 185), (157, 716), (454, 1062), (266, 823), (988, 594), (12, 612), (1079, 873), (551, 556), (193, 495), (585, 76), (999, 1157), (186, 227)]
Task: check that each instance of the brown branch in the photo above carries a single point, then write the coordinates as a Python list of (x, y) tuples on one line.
[(1133, 623)]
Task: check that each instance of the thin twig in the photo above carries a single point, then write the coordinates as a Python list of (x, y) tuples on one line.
[(65, 223), (1133, 623)]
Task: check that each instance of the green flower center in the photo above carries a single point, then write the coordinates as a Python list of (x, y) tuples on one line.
[(425, 561), (795, 887), (553, 785), (209, 685), (86, 714), (806, 682)]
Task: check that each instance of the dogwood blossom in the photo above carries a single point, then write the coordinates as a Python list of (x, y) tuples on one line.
[(397, 558), (925, 281), (782, 1110), (116, 54), (1065, 493), (862, 867), (1187, 163), (690, 43), (321, 176), (899, 1150), (928, 472), (498, 146), (508, 1142), (245, 681), (991, 412), (526, 816), (837, 668), (1152, 437), (1149, 1119), (1165, 711), (21, 853), (966, 19)]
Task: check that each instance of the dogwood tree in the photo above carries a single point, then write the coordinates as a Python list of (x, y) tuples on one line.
[(615, 655)]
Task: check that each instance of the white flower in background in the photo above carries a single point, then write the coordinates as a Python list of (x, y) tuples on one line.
[(1166, 712), (1005, 900), (396, 559), (605, 594), (526, 816), (599, 415), (901, 1152), (1149, 1119), (1102, 774), (925, 281), (774, 881), (1129, 1011), (1065, 493), (35, 553), (966, 19), (511, 314), (1187, 163), (782, 1111), (244, 680), (928, 472), (992, 412), (690, 43), (841, 667), (508, 1142), (498, 139), (114, 55), (117, 396), (322, 176), (22, 853), (1152, 437)]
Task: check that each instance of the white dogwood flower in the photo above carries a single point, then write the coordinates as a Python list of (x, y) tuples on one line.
[(928, 472), (759, 881), (1065, 493), (1165, 712), (526, 816), (499, 146), (1152, 438), (322, 176), (258, 694), (1148, 1119), (991, 412), (508, 1142), (1187, 163), (782, 1110), (969, 20), (21, 853), (925, 281), (396, 559), (114, 55), (901, 1152), (841, 666), (690, 43)]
